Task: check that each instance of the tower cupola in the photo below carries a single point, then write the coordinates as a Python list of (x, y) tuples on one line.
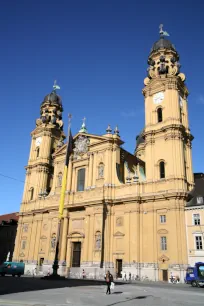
[(51, 110), (163, 59)]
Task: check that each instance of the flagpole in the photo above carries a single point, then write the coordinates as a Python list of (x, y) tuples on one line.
[(61, 204)]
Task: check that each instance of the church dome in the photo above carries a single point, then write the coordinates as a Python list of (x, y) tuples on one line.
[(162, 43), (52, 98), (139, 139)]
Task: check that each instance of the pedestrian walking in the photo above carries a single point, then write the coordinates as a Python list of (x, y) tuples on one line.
[(108, 279), (83, 274), (48, 272), (34, 271)]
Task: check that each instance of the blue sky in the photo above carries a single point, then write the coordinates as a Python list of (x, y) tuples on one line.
[(97, 51)]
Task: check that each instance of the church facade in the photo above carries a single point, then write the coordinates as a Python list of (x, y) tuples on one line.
[(123, 212)]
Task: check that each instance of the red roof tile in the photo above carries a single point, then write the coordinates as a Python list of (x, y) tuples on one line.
[(8, 217)]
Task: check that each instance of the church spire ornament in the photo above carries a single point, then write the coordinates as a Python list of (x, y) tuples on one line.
[(162, 32), (83, 128), (108, 130), (116, 131), (55, 86)]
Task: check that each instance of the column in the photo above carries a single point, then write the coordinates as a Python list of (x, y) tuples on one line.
[(18, 240), (94, 170), (69, 175), (91, 237), (64, 240), (37, 240), (73, 183), (90, 170), (113, 170), (86, 240), (33, 239), (106, 168)]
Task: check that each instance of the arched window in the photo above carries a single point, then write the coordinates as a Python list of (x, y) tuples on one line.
[(31, 193), (59, 183), (162, 169), (37, 152), (81, 179), (159, 114), (101, 170)]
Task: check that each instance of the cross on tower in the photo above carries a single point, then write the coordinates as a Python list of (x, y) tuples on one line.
[(55, 86), (161, 28)]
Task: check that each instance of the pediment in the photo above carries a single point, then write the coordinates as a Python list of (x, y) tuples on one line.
[(61, 151), (118, 234), (163, 258), (43, 237), (94, 140), (76, 235), (162, 231)]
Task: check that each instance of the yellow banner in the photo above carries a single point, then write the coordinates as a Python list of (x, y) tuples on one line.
[(62, 195)]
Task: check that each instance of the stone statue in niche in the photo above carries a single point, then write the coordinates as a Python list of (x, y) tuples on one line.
[(53, 241), (98, 241), (60, 179), (119, 221), (25, 228), (101, 171)]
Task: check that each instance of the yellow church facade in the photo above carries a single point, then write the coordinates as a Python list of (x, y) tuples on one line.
[(123, 212)]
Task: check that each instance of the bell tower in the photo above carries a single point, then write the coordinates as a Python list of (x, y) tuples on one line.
[(167, 135), (47, 136)]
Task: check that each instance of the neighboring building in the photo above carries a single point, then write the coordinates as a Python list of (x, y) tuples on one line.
[(123, 212), (8, 228), (195, 221)]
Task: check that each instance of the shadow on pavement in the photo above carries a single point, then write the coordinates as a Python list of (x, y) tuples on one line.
[(130, 299), (14, 285)]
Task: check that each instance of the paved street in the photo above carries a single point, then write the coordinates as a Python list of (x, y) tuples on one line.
[(37, 292)]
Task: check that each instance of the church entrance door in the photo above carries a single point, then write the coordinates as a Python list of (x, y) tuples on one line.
[(119, 267), (76, 254), (165, 275)]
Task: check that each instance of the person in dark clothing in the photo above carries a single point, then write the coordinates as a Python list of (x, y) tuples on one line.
[(109, 279)]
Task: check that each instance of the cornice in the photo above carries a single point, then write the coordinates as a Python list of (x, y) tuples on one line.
[(161, 84), (169, 131)]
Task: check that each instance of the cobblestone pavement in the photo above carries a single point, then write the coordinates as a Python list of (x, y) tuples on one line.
[(80, 293)]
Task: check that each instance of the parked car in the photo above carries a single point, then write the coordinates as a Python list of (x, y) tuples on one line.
[(12, 268)]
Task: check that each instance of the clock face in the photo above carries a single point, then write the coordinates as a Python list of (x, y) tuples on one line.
[(158, 97), (38, 141)]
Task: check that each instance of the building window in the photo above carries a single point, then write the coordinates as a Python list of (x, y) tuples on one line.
[(162, 170), (196, 219), (163, 218), (159, 115), (81, 179), (199, 200), (37, 152), (163, 244), (59, 183), (23, 245), (31, 193), (199, 243)]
